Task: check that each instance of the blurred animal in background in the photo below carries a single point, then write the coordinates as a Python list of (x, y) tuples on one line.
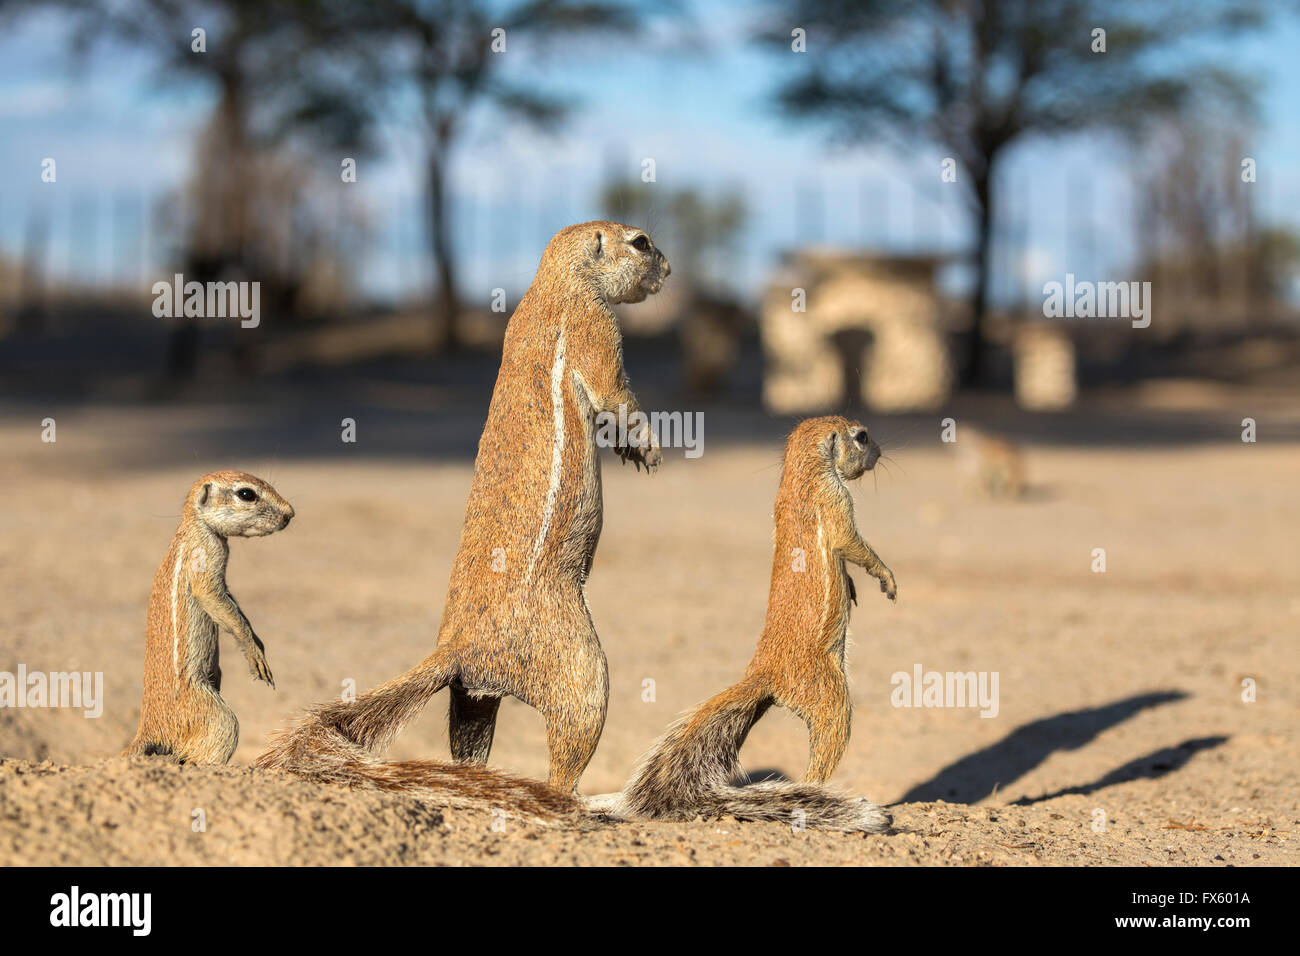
[(991, 466)]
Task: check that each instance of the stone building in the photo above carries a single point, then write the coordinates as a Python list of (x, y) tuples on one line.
[(871, 329)]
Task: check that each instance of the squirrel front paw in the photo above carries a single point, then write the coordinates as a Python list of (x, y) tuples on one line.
[(642, 448), (653, 457), (258, 667), (888, 586)]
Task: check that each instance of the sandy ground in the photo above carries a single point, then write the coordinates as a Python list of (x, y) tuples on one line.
[(1121, 735)]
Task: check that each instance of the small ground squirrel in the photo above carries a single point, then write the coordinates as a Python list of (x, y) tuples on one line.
[(516, 619), (799, 662), (182, 713)]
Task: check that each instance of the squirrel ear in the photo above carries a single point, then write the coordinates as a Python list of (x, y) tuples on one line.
[(203, 495), (831, 444), (600, 244)]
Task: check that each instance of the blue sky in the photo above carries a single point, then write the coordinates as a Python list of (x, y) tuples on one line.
[(123, 140)]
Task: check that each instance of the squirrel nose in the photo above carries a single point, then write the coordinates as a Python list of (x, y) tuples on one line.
[(668, 269)]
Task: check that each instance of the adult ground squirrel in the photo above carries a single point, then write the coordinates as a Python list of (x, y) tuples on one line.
[(182, 713), (799, 662), (516, 619)]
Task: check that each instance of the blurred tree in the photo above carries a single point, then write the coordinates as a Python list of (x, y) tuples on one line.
[(274, 67), (278, 76), (324, 70), (1211, 262), (973, 77), (448, 54)]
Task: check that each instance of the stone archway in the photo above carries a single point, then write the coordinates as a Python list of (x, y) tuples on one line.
[(890, 300)]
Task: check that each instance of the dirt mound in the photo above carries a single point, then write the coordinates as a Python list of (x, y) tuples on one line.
[(152, 812)]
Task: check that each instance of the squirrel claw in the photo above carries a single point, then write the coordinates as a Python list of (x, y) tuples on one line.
[(260, 670)]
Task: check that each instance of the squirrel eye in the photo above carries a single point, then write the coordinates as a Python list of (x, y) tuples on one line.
[(860, 438), (641, 243), (246, 494)]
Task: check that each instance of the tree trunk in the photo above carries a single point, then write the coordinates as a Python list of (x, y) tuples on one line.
[(218, 239), (974, 368), (446, 305)]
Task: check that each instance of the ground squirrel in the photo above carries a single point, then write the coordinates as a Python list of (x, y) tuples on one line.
[(799, 662), (992, 466), (516, 619), (182, 714)]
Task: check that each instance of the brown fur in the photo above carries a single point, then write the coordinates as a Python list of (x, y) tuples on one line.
[(799, 662), (182, 713), (325, 755), (521, 629)]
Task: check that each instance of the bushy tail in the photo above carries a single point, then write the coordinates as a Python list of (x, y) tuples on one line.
[(688, 773), (801, 805), (336, 743), (698, 755)]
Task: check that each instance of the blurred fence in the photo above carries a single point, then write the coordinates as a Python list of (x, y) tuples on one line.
[(62, 239)]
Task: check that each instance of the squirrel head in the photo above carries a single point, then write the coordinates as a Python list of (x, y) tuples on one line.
[(841, 444), (235, 504), (619, 263)]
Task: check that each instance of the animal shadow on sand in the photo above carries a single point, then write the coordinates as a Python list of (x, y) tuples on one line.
[(1147, 767), (977, 775)]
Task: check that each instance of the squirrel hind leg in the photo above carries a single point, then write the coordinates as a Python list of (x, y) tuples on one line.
[(571, 738), (828, 738), (148, 747), (471, 722)]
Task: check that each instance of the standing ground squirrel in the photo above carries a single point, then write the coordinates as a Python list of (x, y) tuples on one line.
[(799, 662), (182, 713), (516, 619)]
